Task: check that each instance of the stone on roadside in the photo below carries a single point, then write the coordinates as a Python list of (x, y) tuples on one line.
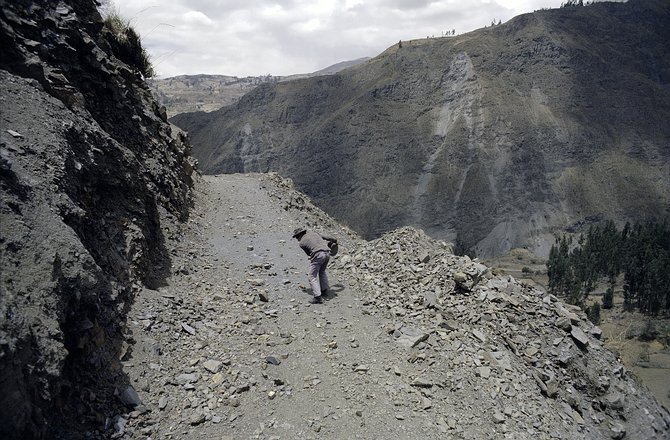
[(617, 430), (449, 324), (531, 351), (119, 424), (256, 282), (213, 366), (197, 418), (217, 378), (499, 417), (483, 372), (579, 336), (188, 329), (130, 398), (411, 336), (596, 332), (552, 387), (479, 335), (430, 300), (187, 378), (420, 382), (460, 278), (563, 323)]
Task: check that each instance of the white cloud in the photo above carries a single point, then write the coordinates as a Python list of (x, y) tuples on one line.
[(282, 37), (197, 18)]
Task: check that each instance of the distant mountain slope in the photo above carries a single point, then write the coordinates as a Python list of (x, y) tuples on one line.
[(189, 93), (499, 136)]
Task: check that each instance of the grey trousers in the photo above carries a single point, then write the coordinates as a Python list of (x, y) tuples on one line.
[(318, 278)]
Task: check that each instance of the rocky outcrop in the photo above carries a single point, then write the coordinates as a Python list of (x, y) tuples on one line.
[(90, 174), (500, 136)]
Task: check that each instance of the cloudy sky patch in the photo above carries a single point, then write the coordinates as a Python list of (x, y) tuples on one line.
[(284, 37)]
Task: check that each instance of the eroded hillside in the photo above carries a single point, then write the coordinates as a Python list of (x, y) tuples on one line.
[(498, 137)]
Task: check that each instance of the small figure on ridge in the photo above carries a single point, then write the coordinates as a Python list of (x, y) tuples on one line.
[(318, 249)]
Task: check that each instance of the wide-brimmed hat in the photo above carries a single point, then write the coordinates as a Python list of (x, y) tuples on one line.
[(298, 231)]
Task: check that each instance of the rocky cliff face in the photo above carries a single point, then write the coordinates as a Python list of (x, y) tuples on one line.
[(90, 175), (498, 137)]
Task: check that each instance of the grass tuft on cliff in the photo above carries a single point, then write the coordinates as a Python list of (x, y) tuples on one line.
[(126, 43)]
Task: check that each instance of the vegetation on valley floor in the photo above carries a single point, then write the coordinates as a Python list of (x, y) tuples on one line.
[(640, 252)]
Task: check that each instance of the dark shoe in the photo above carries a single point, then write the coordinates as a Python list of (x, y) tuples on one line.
[(316, 300)]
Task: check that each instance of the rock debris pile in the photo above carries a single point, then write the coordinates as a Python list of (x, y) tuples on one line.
[(502, 358)]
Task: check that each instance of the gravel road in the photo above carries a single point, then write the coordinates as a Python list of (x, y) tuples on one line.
[(412, 343)]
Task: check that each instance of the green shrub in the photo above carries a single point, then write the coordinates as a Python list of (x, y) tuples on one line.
[(526, 270), (126, 43)]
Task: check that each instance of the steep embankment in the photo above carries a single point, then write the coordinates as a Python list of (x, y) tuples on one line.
[(412, 343), (89, 176), (500, 136)]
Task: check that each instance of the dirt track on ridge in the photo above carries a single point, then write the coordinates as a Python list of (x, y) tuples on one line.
[(337, 366)]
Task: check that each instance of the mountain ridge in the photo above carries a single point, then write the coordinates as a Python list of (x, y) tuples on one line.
[(497, 138)]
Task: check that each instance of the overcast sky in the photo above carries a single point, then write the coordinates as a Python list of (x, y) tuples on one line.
[(283, 37)]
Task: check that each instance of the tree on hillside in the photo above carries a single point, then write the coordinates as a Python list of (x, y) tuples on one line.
[(641, 252)]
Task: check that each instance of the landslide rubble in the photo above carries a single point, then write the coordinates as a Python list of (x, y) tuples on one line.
[(508, 358)]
